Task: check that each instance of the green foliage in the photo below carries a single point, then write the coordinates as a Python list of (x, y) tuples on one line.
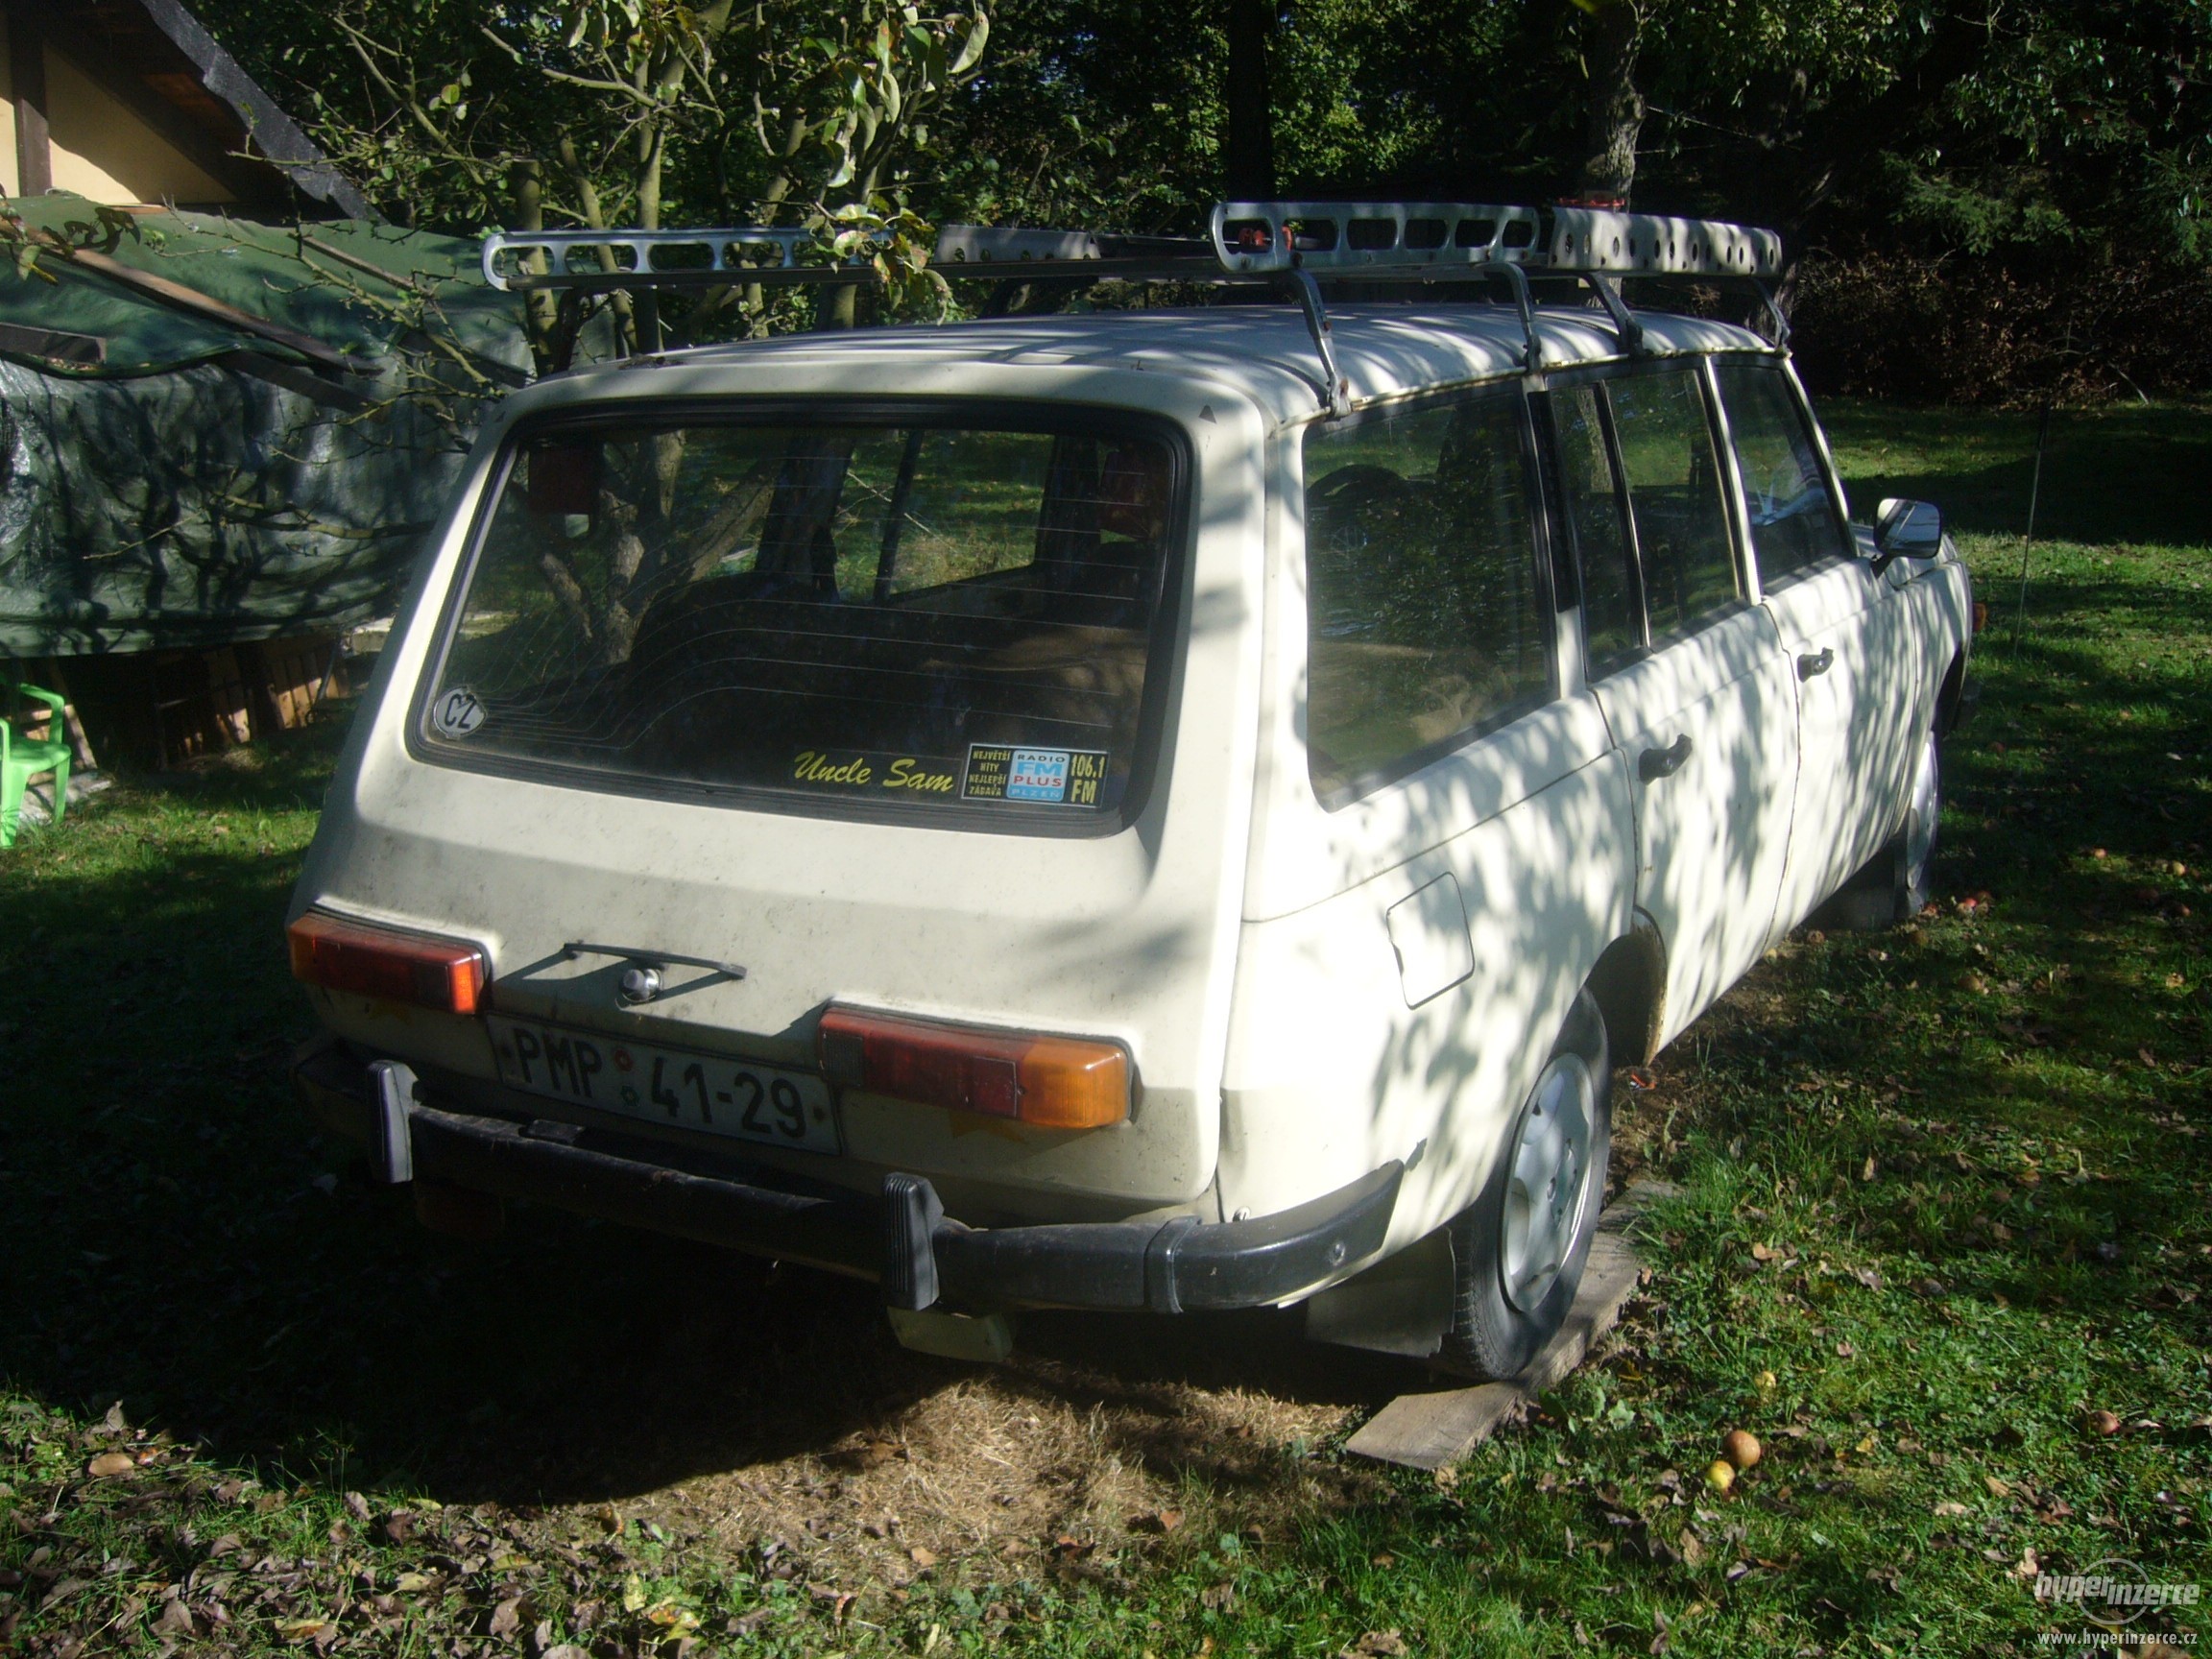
[(470, 114)]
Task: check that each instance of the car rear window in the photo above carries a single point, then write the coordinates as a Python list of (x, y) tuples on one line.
[(904, 615)]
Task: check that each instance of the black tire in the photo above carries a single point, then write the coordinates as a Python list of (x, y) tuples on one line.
[(1497, 1330), (1899, 878)]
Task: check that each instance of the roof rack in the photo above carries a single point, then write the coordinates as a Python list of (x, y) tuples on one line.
[(1285, 244)]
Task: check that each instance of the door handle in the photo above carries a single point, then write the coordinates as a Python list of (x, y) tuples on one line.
[(1657, 763), (1810, 665)]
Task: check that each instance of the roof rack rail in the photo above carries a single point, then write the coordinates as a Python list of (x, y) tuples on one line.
[(1286, 244), (522, 260)]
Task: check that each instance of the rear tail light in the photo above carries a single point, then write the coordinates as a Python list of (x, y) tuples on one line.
[(1053, 1082), (442, 974)]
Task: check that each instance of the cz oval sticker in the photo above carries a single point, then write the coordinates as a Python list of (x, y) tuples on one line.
[(457, 713)]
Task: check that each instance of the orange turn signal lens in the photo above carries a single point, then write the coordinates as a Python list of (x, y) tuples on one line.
[(1053, 1082), (440, 974)]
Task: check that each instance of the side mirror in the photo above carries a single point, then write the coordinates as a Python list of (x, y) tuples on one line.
[(1906, 530)]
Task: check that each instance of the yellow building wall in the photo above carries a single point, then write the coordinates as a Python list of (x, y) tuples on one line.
[(104, 153), (10, 176), (101, 150)]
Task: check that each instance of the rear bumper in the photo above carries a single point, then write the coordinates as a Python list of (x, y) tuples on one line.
[(900, 1237)]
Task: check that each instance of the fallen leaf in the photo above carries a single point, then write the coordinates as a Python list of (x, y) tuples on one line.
[(1763, 1253), (678, 1620), (111, 1464), (921, 1556), (506, 1620), (1161, 1523), (1868, 1169), (632, 1594), (176, 1620), (1844, 1350), (570, 1650), (302, 1629), (1950, 1506), (1378, 1644), (410, 1583), (1221, 1598), (1997, 1488), (356, 1505), (1692, 1548), (2104, 1422)]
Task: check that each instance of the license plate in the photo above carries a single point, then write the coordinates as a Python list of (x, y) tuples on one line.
[(673, 1086)]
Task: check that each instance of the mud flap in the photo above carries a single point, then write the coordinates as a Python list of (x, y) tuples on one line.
[(1402, 1305)]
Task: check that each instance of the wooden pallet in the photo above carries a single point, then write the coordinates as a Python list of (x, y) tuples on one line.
[(1434, 1431)]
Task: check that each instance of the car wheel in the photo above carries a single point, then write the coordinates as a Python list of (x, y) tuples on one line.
[(1899, 878), (1517, 1252)]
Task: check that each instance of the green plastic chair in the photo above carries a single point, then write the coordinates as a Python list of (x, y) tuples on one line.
[(21, 760)]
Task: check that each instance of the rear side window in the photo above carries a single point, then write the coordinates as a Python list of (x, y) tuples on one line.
[(1591, 493), (1674, 489), (917, 617), (1794, 520), (1425, 623)]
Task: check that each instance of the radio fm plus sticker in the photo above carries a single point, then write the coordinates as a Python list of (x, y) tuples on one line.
[(1056, 777)]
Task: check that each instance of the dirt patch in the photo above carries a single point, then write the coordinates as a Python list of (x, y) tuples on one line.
[(1197, 1428)]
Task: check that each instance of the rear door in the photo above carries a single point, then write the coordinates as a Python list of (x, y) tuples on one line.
[(1689, 671), (1839, 624)]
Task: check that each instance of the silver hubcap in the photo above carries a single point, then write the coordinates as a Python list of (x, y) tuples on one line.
[(1926, 805), (1545, 1190)]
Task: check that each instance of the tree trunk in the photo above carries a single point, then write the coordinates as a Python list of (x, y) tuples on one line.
[(1249, 159), (1610, 37), (540, 311)]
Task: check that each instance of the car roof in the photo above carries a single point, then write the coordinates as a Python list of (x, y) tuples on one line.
[(1385, 351)]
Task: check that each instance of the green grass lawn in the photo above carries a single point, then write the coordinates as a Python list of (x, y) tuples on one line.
[(1945, 1200)]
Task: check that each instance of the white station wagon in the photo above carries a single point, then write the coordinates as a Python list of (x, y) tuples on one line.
[(1129, 811)]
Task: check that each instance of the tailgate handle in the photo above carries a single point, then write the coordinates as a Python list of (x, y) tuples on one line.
[(638, 954), (1658, 763), (1816, 663)]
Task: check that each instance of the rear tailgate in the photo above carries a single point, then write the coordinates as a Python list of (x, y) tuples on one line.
[(1125, 933)]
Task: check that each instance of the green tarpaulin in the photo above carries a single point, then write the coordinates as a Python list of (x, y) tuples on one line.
[(174, 475)]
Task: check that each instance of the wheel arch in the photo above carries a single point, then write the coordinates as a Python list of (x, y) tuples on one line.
[(1629, 982), (1950, 696)]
